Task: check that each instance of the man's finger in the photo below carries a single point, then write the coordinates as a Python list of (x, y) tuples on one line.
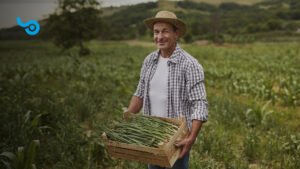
[(182, 153), (180, 143)]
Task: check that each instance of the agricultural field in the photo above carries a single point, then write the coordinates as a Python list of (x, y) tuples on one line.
[(59, 102)]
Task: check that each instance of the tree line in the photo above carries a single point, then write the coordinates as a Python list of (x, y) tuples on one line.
[(76, 21)]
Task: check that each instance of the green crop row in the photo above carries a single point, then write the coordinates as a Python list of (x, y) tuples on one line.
[(64, 100)]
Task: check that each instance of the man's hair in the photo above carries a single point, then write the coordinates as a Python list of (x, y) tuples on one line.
[(174, 28)]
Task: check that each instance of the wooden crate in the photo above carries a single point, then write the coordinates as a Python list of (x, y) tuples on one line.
[(165, 155)]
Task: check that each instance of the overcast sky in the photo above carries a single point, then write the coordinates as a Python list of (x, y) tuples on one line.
[(39, 9)]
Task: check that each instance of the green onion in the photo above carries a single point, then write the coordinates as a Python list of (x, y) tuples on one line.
[(141, 130)]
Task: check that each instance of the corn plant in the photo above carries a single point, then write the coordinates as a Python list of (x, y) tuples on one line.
[(24, 158)]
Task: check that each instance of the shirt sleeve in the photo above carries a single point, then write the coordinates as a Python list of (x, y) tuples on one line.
[(141, 85), (197, 93)]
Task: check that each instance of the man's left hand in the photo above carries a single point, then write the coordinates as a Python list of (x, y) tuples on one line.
[(186, 145)]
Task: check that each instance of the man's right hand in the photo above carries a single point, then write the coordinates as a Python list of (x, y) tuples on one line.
[(126, 114), (134, 107)]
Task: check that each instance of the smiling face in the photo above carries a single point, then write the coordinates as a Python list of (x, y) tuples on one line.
[(165, 36)]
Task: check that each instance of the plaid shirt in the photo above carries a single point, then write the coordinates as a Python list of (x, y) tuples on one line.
[(186, 90)]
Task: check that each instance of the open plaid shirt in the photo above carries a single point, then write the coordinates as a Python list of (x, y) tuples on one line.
[(186, 90)]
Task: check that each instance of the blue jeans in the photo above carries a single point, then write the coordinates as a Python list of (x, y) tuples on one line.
[(182, 163)]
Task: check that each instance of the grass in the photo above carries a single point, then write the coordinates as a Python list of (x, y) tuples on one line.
[(74, 96)]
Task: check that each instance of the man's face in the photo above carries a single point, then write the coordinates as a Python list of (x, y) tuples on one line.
[(164, 35)]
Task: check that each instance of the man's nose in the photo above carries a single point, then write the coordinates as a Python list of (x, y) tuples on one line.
[(160, 36)]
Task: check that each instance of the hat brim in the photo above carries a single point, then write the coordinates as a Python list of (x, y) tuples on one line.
[(179, 24)]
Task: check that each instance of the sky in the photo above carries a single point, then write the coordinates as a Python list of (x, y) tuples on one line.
[(40, 9)]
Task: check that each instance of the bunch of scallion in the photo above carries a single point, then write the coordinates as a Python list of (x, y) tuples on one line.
[(141, 130)]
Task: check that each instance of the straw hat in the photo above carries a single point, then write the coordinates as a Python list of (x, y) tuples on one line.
[(169, 17)]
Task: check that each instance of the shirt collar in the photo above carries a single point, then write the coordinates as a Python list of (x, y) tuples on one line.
[(174, 58)]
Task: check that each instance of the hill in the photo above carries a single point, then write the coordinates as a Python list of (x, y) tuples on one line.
[(232, 21), (218, 2)]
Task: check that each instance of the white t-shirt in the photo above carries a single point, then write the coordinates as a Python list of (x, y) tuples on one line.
[(158, 92)]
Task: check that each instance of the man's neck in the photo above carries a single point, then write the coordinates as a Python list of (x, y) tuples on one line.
[(167, 52)]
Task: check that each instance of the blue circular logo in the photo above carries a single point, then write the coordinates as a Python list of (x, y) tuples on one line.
[(32, 27)]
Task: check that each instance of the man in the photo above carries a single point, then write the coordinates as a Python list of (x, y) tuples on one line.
[(171, 82)]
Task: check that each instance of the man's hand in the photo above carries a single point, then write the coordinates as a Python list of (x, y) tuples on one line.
[(126, 114), (135, 106), (186, 145), (187, 142)]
